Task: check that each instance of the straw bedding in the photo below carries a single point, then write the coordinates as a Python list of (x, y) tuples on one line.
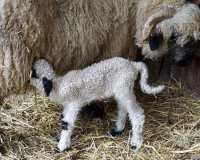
[(29, 125)]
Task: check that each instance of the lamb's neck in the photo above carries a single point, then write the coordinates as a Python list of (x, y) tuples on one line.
[(54, 95)]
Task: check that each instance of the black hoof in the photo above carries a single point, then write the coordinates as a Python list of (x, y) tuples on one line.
[(114, 132), (57, 137), (61, 116), (56, 150), (133, 147)]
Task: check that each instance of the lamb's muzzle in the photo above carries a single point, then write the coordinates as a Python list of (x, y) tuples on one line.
[(110, 78)]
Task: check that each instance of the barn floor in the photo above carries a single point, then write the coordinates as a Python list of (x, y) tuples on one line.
[(29, 125)]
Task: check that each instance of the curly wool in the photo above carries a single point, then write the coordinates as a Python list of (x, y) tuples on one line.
[(70, 34), (110, 78), (186, 22)]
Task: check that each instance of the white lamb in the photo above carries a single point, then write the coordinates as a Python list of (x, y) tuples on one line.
[(112, 78)]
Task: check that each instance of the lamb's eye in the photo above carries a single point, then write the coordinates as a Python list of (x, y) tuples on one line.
[(34, 74)]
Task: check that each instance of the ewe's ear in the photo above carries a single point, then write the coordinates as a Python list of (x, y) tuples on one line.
[(48, 85), (155, 40), (34, 73)]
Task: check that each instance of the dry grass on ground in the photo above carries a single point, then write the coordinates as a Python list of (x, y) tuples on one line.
[(29, 125)]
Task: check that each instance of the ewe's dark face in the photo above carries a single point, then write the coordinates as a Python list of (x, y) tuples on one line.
[(155, 41), (180, 54), (183, 54)]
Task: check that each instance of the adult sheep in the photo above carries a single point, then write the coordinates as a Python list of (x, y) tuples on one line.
[(70, 34), (165, 26)]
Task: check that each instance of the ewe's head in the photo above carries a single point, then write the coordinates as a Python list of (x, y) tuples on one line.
[(176, 33), (42, 76), (197, 2)]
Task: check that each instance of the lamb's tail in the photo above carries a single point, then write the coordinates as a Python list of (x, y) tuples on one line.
[(145, 87)]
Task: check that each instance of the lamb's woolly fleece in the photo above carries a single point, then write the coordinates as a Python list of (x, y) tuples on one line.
[(110, 78), (99, 81)]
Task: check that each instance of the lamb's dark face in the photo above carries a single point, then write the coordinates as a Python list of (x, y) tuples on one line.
[(42, 75), (182, 55)]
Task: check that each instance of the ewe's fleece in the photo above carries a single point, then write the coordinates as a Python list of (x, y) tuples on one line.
[(184, 22), (70, 34), (147, 8)]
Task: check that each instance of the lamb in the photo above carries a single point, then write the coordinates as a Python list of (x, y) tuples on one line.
[(111, 78), (169, 28)]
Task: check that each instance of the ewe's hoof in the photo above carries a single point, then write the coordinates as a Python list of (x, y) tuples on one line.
[(114, 132)]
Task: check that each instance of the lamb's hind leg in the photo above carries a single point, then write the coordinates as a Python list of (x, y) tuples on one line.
[(69, 117), (136, 116), (121, 120)]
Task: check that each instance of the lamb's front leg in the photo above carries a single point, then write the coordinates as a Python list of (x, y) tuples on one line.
[(69, 117)]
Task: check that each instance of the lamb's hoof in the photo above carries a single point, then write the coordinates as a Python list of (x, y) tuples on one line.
[(57, 137), (133, 147), (136, 144), (114, 132), (57, 150), (63, 146)]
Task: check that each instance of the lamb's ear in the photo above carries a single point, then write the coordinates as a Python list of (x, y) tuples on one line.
[(48, 85), (155, 40), (34, 74)]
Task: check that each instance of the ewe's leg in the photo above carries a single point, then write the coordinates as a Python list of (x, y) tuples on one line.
[(121, 121), (68, 120), (136, 116)]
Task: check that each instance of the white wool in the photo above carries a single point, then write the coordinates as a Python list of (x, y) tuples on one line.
[(109, 78), (186, 22)]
